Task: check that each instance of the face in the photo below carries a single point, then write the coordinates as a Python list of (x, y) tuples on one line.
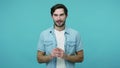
[(59, 17)]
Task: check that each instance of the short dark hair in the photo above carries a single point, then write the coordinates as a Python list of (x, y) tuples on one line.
[(57, 6)]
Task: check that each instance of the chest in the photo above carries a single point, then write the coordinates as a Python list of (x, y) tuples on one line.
[(68, 43)]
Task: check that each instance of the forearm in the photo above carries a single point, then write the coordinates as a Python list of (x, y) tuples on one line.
[(75, 58), (43, 59)]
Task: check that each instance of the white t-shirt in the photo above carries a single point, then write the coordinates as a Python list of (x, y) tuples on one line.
[(60, 38)]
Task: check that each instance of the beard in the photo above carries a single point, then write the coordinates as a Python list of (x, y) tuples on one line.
[(59, 23)]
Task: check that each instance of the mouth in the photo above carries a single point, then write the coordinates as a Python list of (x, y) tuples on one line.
[(59, 21)]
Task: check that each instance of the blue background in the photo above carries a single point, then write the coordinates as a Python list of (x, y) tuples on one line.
[(21, 22)]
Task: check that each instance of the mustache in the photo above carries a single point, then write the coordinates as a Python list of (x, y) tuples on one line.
[(59, 21)]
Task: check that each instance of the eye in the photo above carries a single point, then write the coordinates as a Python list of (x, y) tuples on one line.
[(61, 14), (55, 14)]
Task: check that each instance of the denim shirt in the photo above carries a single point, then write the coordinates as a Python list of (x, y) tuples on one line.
[(47, 42)]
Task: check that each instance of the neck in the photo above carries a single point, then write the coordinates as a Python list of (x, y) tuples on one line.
[(59, 28)]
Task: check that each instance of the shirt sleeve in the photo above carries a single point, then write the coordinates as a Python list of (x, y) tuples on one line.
[(78, 43), (41, 43)]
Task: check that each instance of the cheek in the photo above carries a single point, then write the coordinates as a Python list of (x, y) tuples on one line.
[(54, 19), (63, 18)]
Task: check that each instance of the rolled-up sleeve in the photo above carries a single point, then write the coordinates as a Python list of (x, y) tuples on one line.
[(41, 43), (78, 43)]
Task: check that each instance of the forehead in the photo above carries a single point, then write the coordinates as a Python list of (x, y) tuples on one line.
[(59, 11)]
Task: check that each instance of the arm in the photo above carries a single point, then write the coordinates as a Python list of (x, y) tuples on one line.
[(42, 58), (75, 58), (71, 58)]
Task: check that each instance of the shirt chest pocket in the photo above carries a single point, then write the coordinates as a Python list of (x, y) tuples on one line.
[(71, 47)]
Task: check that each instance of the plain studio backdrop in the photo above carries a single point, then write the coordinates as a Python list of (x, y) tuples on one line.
[(21, 22)]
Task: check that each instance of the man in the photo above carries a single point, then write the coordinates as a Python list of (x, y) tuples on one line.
[(59, 46)]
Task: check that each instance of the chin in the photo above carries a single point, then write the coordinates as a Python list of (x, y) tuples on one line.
[(59, 25)]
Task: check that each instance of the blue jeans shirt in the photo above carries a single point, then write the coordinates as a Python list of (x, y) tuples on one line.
[(47, 42)]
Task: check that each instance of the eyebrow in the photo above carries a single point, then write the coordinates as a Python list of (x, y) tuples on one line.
[(60, 14), (55, 14)]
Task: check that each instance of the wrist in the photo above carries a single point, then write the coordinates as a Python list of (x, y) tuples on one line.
[(65, 57), (50, 57)]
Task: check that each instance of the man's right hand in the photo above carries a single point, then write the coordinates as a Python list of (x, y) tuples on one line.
[(56, 52)]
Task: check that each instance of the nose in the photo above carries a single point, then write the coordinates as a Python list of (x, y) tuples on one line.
[(58, 18)]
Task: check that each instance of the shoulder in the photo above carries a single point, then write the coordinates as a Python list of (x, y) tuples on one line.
[(73, 34)]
